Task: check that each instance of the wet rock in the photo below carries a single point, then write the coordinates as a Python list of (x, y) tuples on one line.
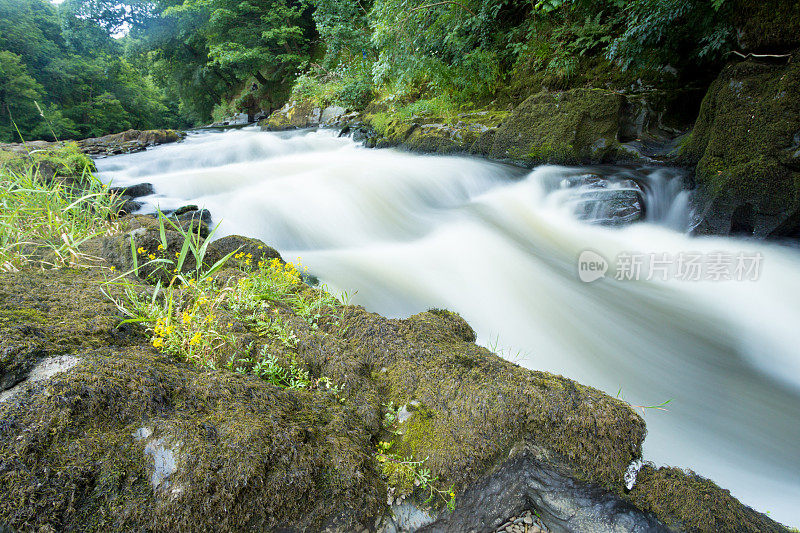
[(185, 209), (194, 221), (133, 191), (129, 206)]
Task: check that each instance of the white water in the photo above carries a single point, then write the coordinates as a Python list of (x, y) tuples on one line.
[(500, 246)]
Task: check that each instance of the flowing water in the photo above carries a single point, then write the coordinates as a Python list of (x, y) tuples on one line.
[(500, 245)]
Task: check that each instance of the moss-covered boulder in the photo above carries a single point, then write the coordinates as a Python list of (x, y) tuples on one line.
[(293, 115), (128, 440), (576, 126), (746, 145), (51, 160)]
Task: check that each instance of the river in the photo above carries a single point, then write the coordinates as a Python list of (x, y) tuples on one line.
[(500, 245)]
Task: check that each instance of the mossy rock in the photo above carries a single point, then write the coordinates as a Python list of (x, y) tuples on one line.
[(131, 440), (252, 251), (294, 115), (570, 127), (53, 312), (62, 161), (694, 504), (767, 26), (746, 145), (115, 251), (129, 141), (431, 134), (128, 440)]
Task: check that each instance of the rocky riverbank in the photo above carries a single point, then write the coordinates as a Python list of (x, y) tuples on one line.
[(101, 428), (126, 142)]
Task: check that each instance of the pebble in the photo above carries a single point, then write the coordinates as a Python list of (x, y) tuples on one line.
[(524, 523)]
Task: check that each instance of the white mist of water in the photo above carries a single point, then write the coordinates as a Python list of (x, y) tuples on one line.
[(500, 246)]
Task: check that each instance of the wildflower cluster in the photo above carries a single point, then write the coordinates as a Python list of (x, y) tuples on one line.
[(190, 331)]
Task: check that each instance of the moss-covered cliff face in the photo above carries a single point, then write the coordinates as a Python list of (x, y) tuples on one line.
[(768, 26), (746, 145)]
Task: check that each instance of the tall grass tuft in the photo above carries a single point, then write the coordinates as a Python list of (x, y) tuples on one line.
[(46, 220)]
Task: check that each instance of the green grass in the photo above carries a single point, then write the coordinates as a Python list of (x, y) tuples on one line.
[(44, 219)]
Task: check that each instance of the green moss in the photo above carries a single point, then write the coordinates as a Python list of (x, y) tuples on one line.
[(246, 452), (746, 126), (575, 126), (52, 160), (771, 25), (688, 502)]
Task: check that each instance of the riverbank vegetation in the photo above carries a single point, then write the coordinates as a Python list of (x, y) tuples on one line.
[(51, 204), (86, 68)]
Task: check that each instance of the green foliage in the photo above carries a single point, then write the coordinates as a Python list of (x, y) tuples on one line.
[(291, 376), (674, 32), (76, 72)]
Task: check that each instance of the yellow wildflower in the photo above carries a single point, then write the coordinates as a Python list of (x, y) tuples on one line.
[(160, 246), (158, 342)]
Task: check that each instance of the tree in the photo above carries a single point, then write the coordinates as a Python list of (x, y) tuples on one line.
[(18, 92)]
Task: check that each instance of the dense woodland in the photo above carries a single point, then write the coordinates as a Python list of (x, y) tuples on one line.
[(91, 67)]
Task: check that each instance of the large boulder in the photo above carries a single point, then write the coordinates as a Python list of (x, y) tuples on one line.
[(293, 115), (746, 145), (575, 126), (99, 431)]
